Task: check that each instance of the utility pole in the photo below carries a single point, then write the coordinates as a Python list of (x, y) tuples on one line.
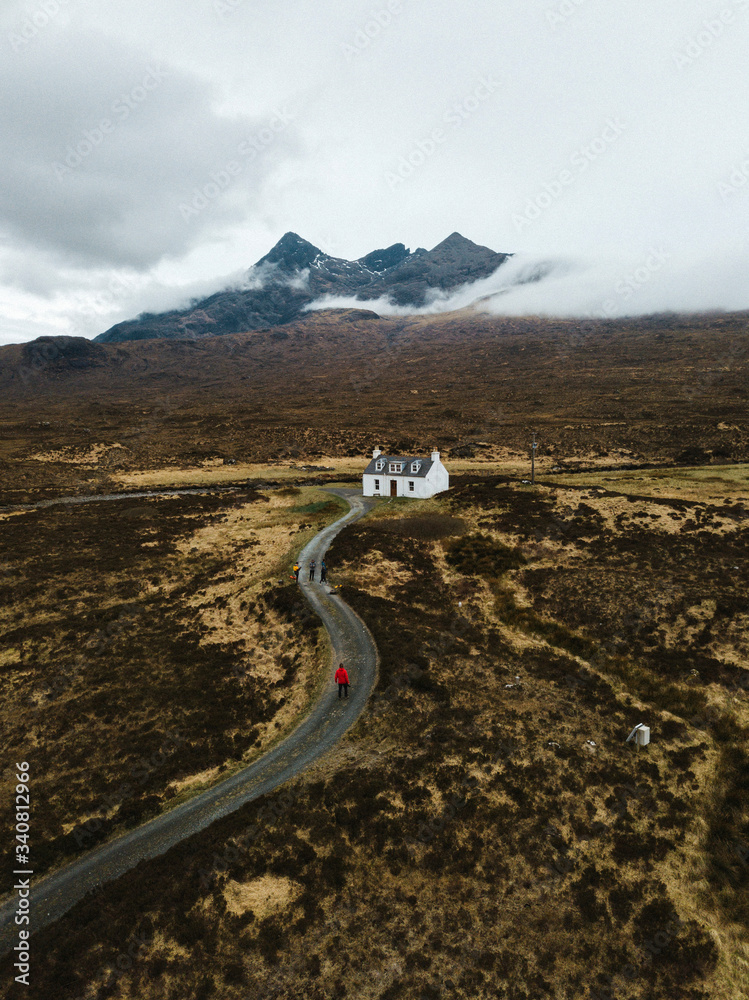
[(533, 459)]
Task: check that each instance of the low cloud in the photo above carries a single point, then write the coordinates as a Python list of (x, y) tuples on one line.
[(258, 276), (162, 143), (657, 280)]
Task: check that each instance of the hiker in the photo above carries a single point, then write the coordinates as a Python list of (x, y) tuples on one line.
[(297, 567), (341, 679), (323, 572), (312, 570)]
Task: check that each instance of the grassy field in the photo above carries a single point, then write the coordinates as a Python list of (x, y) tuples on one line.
[(522, 633), (484, 831), (326, 390), (704, 484), (144, 654)]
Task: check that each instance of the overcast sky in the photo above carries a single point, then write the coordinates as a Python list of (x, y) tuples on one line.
[(148, 150)]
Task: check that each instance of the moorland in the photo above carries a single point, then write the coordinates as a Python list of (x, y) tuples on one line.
[(484, 830)]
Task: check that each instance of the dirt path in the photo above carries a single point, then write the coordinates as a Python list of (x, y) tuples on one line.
[(319, 731)]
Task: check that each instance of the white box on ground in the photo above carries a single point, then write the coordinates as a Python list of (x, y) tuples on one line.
[(640, 734)]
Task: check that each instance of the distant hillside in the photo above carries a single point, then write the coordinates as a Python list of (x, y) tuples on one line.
[(337, 382), (295, 273)]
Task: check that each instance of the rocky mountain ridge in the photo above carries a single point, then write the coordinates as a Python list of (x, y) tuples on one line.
[(295, 273)]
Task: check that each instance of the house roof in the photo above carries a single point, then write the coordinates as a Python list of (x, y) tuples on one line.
[(426, 465)]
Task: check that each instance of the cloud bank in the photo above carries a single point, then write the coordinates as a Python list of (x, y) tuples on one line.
[(532, 285), (169, 144)]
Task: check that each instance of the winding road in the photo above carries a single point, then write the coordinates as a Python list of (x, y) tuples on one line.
[(329, 718)]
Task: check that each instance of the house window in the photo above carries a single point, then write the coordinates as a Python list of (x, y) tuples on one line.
[(411, 485), (380, 466), (415, 466), (377, 485), (396, 467)]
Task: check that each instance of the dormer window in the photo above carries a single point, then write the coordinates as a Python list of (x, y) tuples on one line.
[(380, 465), (395, 467), (415, 466)]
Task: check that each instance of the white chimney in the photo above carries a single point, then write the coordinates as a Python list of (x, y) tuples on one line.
[(435, 456), (376, 453)]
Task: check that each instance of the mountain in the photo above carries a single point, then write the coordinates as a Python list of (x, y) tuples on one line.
[(295, 273), (452, 263)]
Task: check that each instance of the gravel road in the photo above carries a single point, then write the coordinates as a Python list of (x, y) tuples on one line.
[(317, 733)]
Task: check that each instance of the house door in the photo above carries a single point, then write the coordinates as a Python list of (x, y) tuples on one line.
[(393, 487)]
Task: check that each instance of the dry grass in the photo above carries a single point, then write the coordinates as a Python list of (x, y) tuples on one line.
[(213, 473), (567, 849), (717, 483), (262, 896), (682, 871), (665, 390), (627, 609), (90, 456), (113, 611)]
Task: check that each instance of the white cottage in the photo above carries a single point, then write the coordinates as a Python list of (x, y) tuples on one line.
[(404, 476)]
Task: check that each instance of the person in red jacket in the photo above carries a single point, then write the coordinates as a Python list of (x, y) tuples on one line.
[(341, 679)]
